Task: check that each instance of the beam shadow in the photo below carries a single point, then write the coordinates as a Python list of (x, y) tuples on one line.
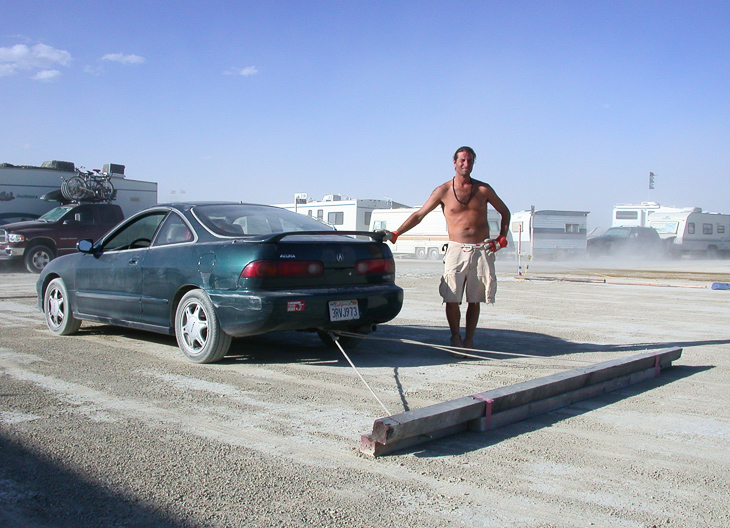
[(472, 441)]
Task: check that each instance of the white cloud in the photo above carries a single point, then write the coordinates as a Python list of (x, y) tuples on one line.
[(6, 70), (245, 72), (46, 75), (23, 58), (94, 70), (123, 59)]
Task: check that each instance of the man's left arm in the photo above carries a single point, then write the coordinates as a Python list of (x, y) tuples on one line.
[(502, 209)]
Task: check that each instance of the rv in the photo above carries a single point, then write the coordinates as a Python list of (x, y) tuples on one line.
[(27, 192), (342, 213), (692, 231), (549, 234), (428, 239)]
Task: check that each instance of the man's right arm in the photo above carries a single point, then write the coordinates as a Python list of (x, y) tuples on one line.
[(412, 221)]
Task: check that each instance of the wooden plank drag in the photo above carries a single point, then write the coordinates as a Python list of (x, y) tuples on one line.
[(499, 407)]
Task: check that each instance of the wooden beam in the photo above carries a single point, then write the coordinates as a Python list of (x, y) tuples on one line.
[(506, 405)]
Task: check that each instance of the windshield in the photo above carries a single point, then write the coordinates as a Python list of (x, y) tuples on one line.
[(252, 220), (55, 214), (618, 232)]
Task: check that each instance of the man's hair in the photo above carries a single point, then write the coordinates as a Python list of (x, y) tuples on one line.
[(465, 149)]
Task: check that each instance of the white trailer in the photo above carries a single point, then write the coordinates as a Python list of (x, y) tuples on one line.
[(693, 231), (638, 215), (427, 239), (549, 234), (344, 214), (21, 189)]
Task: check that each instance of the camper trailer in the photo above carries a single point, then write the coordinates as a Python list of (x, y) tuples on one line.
[(342, 213), (692, 231), (549, 234), (427, 240), (27, 192), (638, 215)]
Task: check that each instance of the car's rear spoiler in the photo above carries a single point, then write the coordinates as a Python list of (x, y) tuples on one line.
[(277, 237)]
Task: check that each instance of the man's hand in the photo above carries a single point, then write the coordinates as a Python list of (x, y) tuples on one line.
[(388, 236), (495, 245)]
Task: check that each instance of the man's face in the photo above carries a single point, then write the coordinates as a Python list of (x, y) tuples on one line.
[(464, 163)]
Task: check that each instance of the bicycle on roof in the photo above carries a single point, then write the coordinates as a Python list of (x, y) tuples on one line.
[(88, 186)]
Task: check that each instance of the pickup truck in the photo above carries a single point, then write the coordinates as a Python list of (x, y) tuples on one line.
[(37, 242)]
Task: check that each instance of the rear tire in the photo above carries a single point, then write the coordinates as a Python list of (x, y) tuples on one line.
[(57, 309), (197, 329), (75, 189), (433, 254), (37, 258)]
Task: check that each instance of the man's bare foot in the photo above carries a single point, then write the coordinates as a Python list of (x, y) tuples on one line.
[(468, 343), (457, 342)]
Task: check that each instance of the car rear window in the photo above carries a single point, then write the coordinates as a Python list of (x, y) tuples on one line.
[(254, 220)]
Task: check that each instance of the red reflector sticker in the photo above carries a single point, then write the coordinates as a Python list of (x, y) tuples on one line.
[(295, 306)]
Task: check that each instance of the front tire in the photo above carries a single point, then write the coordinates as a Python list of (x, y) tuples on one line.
[(197, 329), (37, 257), (57, 309)]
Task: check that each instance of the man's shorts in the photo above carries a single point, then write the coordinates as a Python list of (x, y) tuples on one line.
[(468, 268)]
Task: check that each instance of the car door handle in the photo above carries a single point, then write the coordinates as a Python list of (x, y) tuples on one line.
[(133, 261)]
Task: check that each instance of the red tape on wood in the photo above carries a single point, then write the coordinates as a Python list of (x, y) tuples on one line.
[(488, 410)]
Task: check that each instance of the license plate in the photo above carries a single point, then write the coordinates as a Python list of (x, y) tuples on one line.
[(344, 310)]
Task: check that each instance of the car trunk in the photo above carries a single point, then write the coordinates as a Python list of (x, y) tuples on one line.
[(344, 262)]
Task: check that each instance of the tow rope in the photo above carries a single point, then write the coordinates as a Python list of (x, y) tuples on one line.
[(336, 340)]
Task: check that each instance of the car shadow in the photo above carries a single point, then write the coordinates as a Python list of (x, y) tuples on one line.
[(399, 346), (402, 346)]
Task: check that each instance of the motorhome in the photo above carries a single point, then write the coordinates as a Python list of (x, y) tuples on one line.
[(27, 192), (693, 231), (340, 212), (549, 234), (426, 240)]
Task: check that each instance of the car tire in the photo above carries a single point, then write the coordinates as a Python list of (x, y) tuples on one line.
[(37, 257), (57, 309), (197, 329), (347, 342), (433, 254), (421, 253)]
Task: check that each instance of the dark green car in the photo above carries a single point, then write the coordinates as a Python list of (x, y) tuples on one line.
[(208, 272)]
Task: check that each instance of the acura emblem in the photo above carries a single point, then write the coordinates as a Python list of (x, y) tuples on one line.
[(340, 257)]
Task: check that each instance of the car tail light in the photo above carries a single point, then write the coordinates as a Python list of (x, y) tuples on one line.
[(378, 266), (284, 268)]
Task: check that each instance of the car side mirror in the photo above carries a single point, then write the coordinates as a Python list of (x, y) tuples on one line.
[(85, 246)]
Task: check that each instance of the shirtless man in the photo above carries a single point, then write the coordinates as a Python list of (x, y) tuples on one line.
[(469, 260)]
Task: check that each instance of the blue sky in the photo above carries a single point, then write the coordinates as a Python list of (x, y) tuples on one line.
[(568, 104)]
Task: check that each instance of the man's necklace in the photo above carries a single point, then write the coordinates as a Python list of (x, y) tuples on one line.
[(471, 193)]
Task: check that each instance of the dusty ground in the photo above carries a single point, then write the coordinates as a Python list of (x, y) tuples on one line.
[(115, 428)]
